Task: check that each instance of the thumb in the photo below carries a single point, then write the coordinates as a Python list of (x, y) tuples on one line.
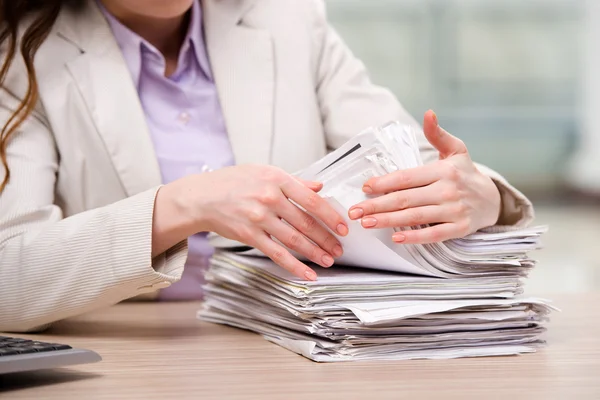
[(446, 144)]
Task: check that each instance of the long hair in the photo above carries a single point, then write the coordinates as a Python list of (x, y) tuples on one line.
[(43, 14)]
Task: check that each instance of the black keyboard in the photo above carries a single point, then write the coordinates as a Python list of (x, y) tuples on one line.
[(17, 355), (10, 346)]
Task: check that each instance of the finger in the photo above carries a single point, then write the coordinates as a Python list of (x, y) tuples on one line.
[(315, 205), (404, 179), (432, 234), (396, 201), (297, 242), (284, 259), (411, 217), (312, 185), (446, 144), (311, 228)]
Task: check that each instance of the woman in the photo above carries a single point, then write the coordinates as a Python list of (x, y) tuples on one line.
[(110, 136)]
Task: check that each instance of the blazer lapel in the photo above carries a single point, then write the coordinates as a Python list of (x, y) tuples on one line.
[(242, 61), (104, 82)]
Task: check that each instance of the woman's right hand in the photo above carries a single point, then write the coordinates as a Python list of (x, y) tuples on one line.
[(251, 204)]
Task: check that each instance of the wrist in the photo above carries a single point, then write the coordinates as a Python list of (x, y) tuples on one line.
[(173, 219), (189, 197), (497, 201)]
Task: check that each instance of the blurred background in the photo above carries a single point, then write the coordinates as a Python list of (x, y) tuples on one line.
[(519, 82)]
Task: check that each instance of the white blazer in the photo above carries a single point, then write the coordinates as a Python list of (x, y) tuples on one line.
[(76, 218)]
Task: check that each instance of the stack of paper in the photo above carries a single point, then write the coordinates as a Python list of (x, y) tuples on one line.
[(454, 299), (351, 314)]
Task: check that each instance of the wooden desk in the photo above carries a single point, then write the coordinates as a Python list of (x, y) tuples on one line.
[(160, 351)]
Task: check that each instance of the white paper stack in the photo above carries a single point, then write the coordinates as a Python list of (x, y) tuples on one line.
[(460, 298)]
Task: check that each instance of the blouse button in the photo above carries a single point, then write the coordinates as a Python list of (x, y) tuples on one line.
[(184, 118)]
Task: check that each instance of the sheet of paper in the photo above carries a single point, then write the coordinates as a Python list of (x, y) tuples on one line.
[(378, 151)]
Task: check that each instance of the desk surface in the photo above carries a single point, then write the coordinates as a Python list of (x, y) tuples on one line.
[(160, 351)]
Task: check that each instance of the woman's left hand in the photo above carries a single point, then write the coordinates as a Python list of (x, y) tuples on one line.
[(450, 194)]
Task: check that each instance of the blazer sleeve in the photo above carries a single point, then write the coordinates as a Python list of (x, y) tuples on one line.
[(350, 102), (52, 267)]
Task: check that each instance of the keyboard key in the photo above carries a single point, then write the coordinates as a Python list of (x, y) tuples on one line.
[(58, 346), (15, 340), (23, 349), (43, 347), (7, 352)]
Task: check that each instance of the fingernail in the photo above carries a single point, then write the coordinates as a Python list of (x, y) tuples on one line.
[(327, 260), (435, 119), (338, 251), (356, 213), (342, 229), (310, 275), (369, 222), (367, 189), (398, 237)]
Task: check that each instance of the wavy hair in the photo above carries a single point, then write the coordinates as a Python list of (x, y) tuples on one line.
[(13, 13)]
